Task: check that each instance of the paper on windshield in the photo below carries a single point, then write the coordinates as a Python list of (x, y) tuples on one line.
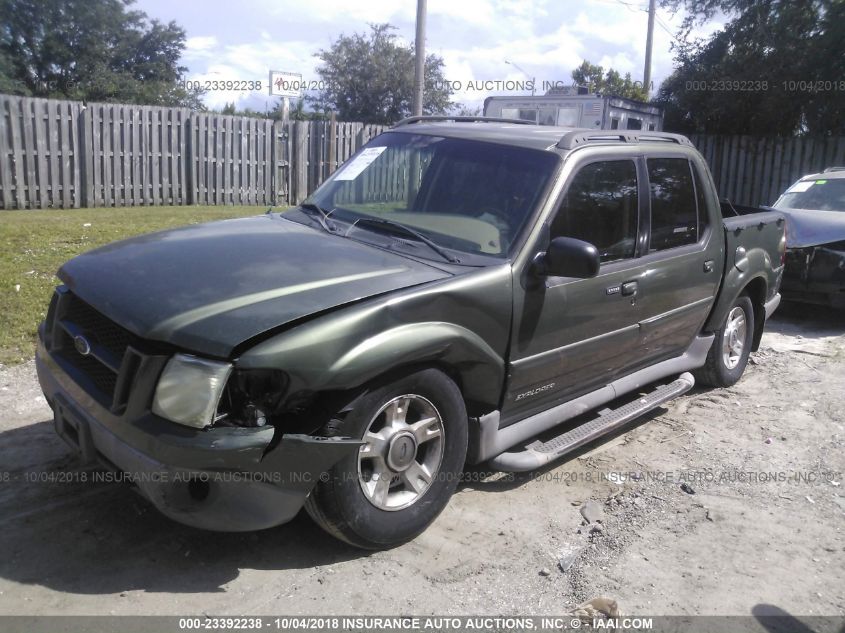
[(800, 187), (353, 168)]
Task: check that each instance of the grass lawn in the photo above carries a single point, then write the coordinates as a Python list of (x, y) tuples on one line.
[(34, 243)]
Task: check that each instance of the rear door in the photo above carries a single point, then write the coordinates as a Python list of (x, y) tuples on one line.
[(683, 260)]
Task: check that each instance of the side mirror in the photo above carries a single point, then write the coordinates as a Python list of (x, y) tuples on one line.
[(568, 257)]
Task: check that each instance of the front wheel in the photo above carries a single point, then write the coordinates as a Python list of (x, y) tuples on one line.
[(415, 438), (728, 356)]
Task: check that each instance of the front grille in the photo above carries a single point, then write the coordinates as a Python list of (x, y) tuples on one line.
[(101, 377), (97, 371), (98, 328)]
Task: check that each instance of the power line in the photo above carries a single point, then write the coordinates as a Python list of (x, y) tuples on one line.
[(666, 28)]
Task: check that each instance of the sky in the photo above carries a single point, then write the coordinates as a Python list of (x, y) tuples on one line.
[(484, 43)]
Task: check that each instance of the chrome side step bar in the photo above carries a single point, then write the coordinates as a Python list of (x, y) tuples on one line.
[(491, 440), (538, 454)]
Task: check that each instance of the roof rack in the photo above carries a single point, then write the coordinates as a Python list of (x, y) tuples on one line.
[(833, 169), (460, 119), (576, 138)]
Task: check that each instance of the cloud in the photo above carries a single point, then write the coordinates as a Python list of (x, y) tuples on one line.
[(342, 12), (547, 39), (200, 46)]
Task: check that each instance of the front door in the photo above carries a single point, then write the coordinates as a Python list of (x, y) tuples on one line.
[(575, 335)]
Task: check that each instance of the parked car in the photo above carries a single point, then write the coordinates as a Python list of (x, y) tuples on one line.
[(815, 258), (455, 289)]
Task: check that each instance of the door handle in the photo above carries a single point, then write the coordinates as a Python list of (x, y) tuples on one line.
[(629, 288), (708, 266)]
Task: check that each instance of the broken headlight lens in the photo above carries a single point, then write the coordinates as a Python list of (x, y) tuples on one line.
[(252, 398), (189, 390)]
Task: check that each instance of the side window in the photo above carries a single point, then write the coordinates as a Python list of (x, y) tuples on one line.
[(674, 220), (547, 116), (568, 116), (528, 115), (635, 124), (600, 207), (701, 200), (614, 123)]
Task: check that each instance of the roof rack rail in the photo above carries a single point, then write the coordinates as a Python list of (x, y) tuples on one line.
[(576, 138), (833, 169), (460, 119)]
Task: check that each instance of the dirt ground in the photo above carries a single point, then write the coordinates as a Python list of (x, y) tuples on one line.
[(763, 530)]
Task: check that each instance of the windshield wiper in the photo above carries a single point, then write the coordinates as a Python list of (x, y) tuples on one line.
[(408, 231), (320, 214)]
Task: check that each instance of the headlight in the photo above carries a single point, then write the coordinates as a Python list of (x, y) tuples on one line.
[(189, 389)]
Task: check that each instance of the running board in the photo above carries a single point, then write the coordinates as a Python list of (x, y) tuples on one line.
[(538, 454)]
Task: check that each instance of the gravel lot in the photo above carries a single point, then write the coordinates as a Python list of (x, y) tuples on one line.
[(763, 529)]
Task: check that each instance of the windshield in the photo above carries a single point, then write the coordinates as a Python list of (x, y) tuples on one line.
[(467, 196), (821, 194)]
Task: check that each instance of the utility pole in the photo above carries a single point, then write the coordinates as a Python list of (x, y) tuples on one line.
[(419, 59), (648, 42)]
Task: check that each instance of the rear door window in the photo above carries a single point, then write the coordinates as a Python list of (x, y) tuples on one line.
[(674, 215)]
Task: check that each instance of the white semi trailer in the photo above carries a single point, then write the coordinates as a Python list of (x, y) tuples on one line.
[(579, 111)]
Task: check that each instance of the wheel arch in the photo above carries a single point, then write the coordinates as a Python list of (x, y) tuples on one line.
[(459, 353), (756, 291), (735, 285)]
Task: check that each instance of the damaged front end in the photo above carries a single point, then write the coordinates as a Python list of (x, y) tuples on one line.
[(816, 274), (231, 461)]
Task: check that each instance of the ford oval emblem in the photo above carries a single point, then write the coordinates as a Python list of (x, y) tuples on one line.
[(82, 345)]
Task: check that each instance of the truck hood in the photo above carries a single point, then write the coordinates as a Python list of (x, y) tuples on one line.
[(807, 227), (209, 287)]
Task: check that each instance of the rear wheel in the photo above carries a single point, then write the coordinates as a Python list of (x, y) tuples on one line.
[(728, 356), (415, 437)]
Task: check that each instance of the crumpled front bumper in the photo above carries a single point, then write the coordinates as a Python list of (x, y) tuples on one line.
[(816, 274), (227, 479)]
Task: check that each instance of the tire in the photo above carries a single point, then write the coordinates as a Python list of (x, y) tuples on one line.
[(415, 433), (728, 356)]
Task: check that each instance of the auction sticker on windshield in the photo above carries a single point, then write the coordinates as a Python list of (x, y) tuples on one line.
[(359, 163), (800, 187)]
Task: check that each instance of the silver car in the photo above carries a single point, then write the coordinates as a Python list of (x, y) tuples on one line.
[(815, 238)]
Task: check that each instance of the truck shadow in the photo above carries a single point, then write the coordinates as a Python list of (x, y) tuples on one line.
[(806, 320), (773, 619), (102, 538)]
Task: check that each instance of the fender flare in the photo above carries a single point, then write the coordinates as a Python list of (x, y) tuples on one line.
[(480, 370), (748, 271)]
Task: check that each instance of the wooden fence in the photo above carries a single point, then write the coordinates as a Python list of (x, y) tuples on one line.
[(133, 155), (65, 154), (39, 153), (754, 171)]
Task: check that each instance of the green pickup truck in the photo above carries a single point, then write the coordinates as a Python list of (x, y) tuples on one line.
[(454, 290)]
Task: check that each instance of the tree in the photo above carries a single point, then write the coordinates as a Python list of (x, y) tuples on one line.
[(94, 50), (608, 83), (461, 109), (776, 67), (296, 113), (299, 113), (370, 78)]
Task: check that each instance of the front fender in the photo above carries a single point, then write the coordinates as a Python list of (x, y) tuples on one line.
[(480, 368), (461, 325)]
